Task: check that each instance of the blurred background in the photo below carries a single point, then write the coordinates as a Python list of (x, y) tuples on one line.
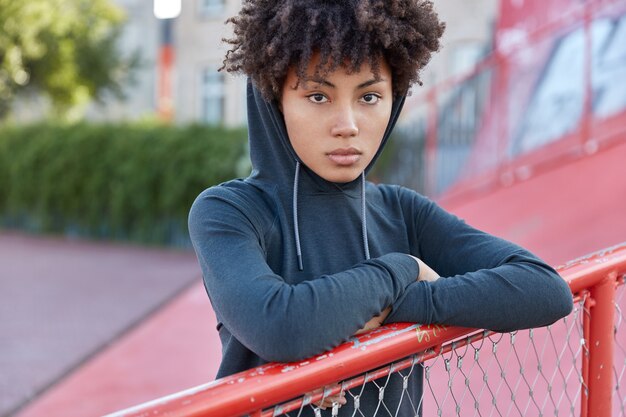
[(113, 118)]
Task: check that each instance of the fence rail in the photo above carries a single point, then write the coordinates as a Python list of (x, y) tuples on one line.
[(565, 369)]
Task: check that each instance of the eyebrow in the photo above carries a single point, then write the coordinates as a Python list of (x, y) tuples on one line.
[(331, 85)]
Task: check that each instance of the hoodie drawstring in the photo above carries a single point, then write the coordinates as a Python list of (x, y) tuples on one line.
[(366, 245), (296, 230)]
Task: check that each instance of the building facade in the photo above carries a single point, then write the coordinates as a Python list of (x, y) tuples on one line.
[(201, 94)]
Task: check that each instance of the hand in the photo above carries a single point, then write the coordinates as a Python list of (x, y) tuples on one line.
[(375, 322), (331, 399), (426, 272)]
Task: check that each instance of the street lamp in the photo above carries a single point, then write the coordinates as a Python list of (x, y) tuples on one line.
[(166, 11)]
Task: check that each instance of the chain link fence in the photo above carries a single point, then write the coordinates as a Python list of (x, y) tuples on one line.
[(533, 372)]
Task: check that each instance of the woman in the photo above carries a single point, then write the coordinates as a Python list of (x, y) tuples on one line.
[(304, 253)]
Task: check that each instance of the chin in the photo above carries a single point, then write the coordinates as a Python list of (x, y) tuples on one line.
[(343, 178)]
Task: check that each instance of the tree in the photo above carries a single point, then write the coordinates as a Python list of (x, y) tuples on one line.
[(64, 49)]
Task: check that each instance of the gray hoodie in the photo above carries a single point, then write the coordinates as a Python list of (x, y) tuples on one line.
[(294, 265)]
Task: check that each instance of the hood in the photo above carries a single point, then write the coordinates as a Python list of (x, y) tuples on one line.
[(277, 169), (274, 159)]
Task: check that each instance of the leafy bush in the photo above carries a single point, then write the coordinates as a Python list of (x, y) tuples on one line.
[(129, 181)]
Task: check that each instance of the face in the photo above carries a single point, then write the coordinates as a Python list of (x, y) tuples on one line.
[(336, 124)]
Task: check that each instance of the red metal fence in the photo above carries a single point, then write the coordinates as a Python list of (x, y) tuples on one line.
[(574, 367)]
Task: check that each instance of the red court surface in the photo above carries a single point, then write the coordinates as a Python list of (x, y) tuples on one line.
[(70, 343), (561, 214)]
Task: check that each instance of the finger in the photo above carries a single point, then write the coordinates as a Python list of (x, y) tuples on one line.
[(323, 404), (339, 399), (342, 401), (330, 400), (370, 325), (327, 402)]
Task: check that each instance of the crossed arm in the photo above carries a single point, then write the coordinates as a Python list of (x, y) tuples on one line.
[(426, 274), (483, 274)]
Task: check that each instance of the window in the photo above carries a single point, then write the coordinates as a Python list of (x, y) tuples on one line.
[(609, 69), (557, 103), (212, 96), (211, 8)]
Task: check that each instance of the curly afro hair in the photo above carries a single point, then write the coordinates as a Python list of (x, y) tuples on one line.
[(270, 36)]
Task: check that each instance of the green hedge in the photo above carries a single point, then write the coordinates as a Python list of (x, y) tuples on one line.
[(128, 182)]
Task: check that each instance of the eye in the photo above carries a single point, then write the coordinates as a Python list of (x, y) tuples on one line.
[(317, 98), (370, 98)]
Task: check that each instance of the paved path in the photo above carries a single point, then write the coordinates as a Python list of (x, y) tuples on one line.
[(70, 343)]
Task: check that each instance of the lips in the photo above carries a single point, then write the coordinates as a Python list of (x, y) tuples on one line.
[(345, 156)]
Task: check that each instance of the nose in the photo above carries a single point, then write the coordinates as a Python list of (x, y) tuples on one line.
[(345, 124)]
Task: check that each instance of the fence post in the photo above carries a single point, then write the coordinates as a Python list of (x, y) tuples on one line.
[(600, 341)]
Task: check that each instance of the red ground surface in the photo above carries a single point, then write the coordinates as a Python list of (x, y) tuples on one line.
[(69, 340), (564, 213)]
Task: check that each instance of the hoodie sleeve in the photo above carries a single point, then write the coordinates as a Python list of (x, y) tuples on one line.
[(486, 281), (278, 321)]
